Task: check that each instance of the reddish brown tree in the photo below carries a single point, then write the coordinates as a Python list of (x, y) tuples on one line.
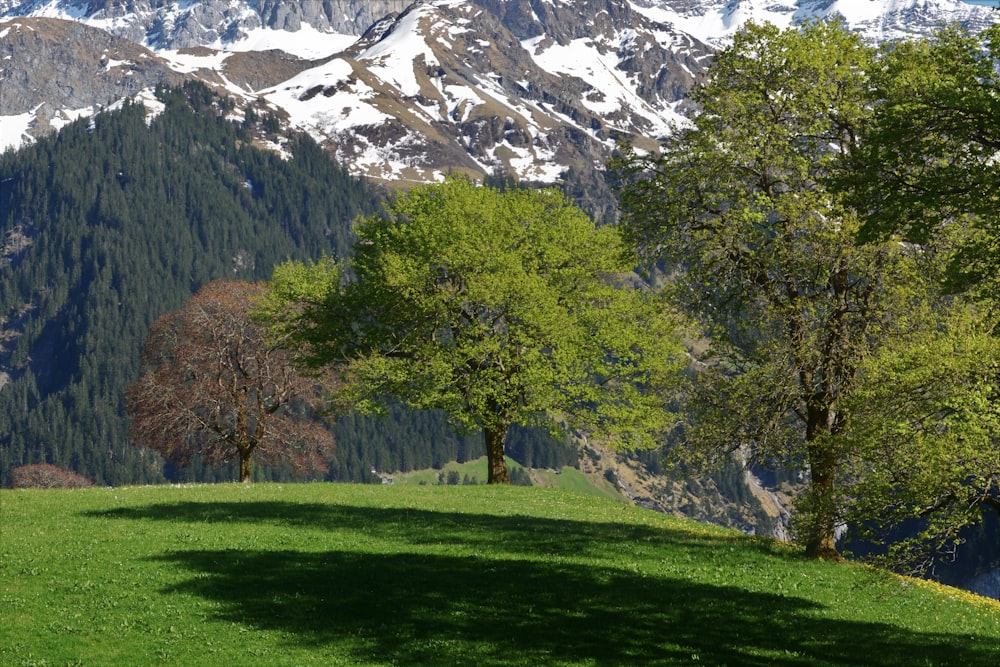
[(214, 388), (46, 476)]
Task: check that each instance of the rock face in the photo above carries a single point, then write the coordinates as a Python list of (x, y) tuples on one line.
[(52, 68), (172, 24), (169, 24), (343, 16)]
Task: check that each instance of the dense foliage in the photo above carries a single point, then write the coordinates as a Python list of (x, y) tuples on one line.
[(928, 159), (925, 172), (499, 308), (831, 349)]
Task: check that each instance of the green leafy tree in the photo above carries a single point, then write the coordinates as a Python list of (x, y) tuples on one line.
[(925, 437), (926, 163), (740, 206), (499, 308), (925, 171)]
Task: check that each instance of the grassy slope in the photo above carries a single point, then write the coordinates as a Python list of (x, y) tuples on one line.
[(469, 575), (568, 478)]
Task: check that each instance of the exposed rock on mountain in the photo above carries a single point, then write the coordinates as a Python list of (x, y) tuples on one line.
[(879, 20), (53, 70), (67, 65), (169, 24), (407, 90)]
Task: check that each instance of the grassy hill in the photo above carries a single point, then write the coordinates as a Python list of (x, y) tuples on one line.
[(440, 575), (474, 472)]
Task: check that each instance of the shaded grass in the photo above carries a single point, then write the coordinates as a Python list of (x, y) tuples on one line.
[(358, 575)]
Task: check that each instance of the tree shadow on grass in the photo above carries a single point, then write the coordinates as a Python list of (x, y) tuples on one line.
[(516, 601), (435, 610), (497, 534)]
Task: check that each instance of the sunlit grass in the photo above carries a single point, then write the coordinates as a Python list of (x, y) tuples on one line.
[(567, 477), (428, 575)]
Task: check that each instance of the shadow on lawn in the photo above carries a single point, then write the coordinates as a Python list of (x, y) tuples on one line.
[(495, 609), (434, 610), (511, 535)]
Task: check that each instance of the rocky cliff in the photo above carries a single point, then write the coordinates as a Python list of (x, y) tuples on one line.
[(169, 24), (56, 70)]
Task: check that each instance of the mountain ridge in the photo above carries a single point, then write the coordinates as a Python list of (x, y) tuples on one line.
[(408, 91)]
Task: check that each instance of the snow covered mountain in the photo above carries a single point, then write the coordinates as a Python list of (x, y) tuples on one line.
[(407, 90), (173, 24)]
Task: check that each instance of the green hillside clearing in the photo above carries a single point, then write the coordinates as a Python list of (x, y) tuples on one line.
[(326, 574), (474, 472)]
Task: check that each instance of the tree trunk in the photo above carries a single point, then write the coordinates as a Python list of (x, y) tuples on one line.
[(821, 541), (246, 467), (821, 532), (496, 436)]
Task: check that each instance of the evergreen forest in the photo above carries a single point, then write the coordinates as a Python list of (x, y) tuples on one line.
[(119, 219)]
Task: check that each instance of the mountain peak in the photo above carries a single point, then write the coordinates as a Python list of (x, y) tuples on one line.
[(176, 24)]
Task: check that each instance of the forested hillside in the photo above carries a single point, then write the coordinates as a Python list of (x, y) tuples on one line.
[(118, 220)]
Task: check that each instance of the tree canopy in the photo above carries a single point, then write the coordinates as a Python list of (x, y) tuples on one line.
[(924, 439), (925, 172), (751, 209), (499, 308), (927, 161), (216, 390)]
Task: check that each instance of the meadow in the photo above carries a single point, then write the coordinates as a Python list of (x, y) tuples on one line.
[(324, 574)]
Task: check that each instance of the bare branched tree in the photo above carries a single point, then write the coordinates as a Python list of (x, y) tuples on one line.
[(216, 389)]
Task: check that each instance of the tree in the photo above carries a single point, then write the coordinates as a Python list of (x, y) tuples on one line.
[(499, 308), (925, 431), (926, 172), (214, 388), (740, 206), (928, 158)]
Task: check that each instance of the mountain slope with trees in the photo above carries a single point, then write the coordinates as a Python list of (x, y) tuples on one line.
[(117, 220)]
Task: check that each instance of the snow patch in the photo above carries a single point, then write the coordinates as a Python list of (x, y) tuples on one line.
[(305, 98), (65, 117), (14, 130), (188, 62), (307, 43)]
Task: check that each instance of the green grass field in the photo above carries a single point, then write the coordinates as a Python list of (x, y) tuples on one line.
[(567, 478), (327, 574)]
